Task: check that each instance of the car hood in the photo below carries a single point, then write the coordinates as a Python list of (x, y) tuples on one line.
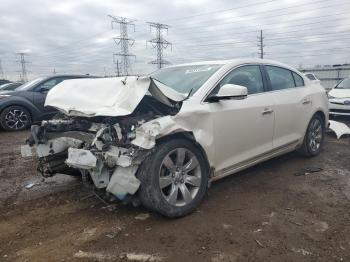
[(340, 93), (115, 96), (8, 92)]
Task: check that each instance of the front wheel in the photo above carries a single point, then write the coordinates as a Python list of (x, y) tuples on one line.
[(314, 137), (15, 118), (174, 179)]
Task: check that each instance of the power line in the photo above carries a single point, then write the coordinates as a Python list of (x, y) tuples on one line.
[(253, 15), (124, 41), (23, 73), (159, 43), (261, 45)]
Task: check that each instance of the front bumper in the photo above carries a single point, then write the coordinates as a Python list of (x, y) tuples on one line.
[(339, 107)]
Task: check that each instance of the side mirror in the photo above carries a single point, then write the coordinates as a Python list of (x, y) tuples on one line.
[(229, 91)]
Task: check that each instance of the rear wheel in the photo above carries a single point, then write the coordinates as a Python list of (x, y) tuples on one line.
[(15, 118), (174, 179), (314, 137)]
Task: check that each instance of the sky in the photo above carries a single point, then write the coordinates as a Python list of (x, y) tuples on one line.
[(75, 36)]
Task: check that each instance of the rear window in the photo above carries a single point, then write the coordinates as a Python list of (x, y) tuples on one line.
[(299, 81)]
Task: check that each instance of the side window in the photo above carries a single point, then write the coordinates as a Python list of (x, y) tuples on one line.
[(50, 83), (280, 78), (299, 81), (248, 76)]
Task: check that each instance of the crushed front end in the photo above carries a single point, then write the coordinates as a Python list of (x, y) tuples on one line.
[(106, 150)]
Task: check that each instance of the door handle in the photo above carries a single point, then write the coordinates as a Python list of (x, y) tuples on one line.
[(267, 111), (306, 101)]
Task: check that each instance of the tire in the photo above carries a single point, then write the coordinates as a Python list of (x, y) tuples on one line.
[(314, 137), (164, 187), (15, 118)]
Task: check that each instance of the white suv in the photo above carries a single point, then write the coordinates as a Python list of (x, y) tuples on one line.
[(160, 140)]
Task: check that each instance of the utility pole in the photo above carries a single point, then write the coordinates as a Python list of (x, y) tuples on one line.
[(261, 44), (116, 66), (2, 75), (23, 73), (124, 42), (54, 71), (159, 43)]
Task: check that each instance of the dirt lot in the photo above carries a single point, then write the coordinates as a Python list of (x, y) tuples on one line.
[(265, 213)]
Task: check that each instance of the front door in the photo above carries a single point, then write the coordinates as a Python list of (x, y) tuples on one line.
[(243, 128)]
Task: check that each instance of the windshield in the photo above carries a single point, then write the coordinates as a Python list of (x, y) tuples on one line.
[(3, 87), (29, 84), (183, 79), (345, 84)]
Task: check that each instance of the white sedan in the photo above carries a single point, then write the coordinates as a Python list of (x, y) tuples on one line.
[(160, 140), (339, 98)]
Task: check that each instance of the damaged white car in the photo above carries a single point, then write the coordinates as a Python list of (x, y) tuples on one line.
[(160, 140)]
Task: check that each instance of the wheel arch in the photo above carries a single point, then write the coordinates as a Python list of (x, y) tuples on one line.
[(321, 114), (21, 105)]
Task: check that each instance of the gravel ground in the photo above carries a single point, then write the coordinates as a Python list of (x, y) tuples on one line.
[(265, 213)]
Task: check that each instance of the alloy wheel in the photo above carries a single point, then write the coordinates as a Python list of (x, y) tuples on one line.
[(180, 177), (16, 119), (315, 135)]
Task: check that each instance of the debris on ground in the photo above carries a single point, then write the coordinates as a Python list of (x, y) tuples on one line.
[(259, 243), (302, 251), (226, 226), (93, 256), (30, 185), (141, 257), (142, 216), (307, 171), (339, 128)]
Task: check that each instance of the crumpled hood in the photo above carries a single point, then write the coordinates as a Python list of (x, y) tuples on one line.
[(340, 93), (115, 96)]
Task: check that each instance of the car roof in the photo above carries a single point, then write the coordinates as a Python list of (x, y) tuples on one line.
[(238, 61), (68, 75)]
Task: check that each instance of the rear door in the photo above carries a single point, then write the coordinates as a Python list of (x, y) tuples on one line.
[(243, 128), (292, 105)]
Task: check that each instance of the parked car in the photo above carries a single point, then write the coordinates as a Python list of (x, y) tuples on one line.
[(4, 81), (9, 86), (25, 105), (160, 140), (312, 77), (339, 98)]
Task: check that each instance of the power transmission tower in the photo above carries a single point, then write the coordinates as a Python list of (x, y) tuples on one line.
[(116, 66), (23, 73), (2, 75), (159, 43), (261, 44), (124, 41)]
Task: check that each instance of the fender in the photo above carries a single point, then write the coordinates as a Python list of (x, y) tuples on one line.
[(21, 101)]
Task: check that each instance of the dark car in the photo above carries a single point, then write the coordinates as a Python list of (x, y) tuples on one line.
[(25, 105), (9, 86), (4, 81)]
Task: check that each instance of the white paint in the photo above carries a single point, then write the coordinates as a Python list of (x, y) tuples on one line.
[(338, 128), (123, 181), (80, 158)]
